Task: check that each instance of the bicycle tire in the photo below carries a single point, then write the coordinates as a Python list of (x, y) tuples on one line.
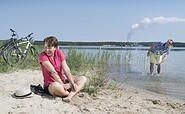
[(5, 51), (14, 56), (2, 52), (34, 53), (25, 54)]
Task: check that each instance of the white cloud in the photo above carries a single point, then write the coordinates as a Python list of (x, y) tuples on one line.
[(157, 20)]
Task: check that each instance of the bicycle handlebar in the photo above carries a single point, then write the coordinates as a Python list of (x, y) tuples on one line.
[(28, 37), (14, 33), (12, 30)]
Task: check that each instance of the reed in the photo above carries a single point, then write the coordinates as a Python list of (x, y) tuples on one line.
[(93, 65), (3, 66)]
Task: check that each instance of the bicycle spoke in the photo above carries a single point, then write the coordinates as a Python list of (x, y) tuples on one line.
[(14, 57), (6, 52), (26, 57), (34, 53)]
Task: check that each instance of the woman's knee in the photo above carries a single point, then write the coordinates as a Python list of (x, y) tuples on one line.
[(57, 89), (83, 79), (54, 85)]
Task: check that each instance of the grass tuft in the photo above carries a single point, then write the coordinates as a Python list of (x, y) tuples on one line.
[(93, 66)]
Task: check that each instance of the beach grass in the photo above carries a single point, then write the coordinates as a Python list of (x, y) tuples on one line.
[(93, 66)]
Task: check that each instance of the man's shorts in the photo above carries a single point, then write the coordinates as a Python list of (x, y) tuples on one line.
[(154, 57)]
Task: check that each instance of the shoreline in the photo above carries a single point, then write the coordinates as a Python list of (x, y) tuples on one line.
[(153, 93), (126, 99)]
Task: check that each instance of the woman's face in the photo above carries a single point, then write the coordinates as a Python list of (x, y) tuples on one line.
[(49, 50)]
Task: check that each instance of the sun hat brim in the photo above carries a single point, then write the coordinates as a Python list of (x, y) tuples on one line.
[(23, 92), (22, 95)]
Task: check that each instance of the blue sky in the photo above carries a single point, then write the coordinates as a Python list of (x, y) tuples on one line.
[(94, 20)]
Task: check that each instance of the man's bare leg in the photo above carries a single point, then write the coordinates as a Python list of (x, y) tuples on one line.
[(151, 68), (158, 68)]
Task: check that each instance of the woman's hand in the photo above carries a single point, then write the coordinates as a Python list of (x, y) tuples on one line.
[(66, 86), (74, 87)]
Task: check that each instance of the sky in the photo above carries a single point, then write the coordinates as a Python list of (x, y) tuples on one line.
[(94, 20)]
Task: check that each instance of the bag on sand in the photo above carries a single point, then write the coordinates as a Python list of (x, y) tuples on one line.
[(37, 89)]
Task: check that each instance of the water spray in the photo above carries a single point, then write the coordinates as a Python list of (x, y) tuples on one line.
[(146, 22)]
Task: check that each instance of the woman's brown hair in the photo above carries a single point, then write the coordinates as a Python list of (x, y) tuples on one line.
[(51, 41)]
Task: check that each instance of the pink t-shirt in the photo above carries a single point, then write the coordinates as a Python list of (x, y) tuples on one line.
[(56, 62)]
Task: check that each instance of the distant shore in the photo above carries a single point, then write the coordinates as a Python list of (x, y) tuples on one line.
[(123, 44), (118, 48)]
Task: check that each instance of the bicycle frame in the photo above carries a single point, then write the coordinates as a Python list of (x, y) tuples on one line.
[(19, 53), (28, 44), (20, 50), (6, 47), (10, 43)]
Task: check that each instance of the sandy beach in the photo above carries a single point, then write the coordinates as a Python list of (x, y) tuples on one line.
[(123, 100)]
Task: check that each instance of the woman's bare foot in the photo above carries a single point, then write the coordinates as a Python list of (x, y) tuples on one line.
[(66, 99)]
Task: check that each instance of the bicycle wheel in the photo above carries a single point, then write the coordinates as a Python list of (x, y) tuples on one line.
[(25, 55), (14, 56), (2, 52), (5, 51), (34, 53)]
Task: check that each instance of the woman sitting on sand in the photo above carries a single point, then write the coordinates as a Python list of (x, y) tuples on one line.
[(53, 63)]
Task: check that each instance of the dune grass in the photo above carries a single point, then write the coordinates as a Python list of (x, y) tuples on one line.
[(93, 66)]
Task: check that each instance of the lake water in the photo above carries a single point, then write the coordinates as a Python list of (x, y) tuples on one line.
[(132, 68)]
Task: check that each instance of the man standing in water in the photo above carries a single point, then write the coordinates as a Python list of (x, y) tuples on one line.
[(158, 52)]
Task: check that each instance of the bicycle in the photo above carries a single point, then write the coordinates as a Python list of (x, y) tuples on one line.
[(22, 52), (8, 45)]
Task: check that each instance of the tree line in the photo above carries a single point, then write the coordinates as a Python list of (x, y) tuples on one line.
[(145, 44)]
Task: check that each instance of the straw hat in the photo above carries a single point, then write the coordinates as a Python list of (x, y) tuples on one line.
[(23, 92)]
